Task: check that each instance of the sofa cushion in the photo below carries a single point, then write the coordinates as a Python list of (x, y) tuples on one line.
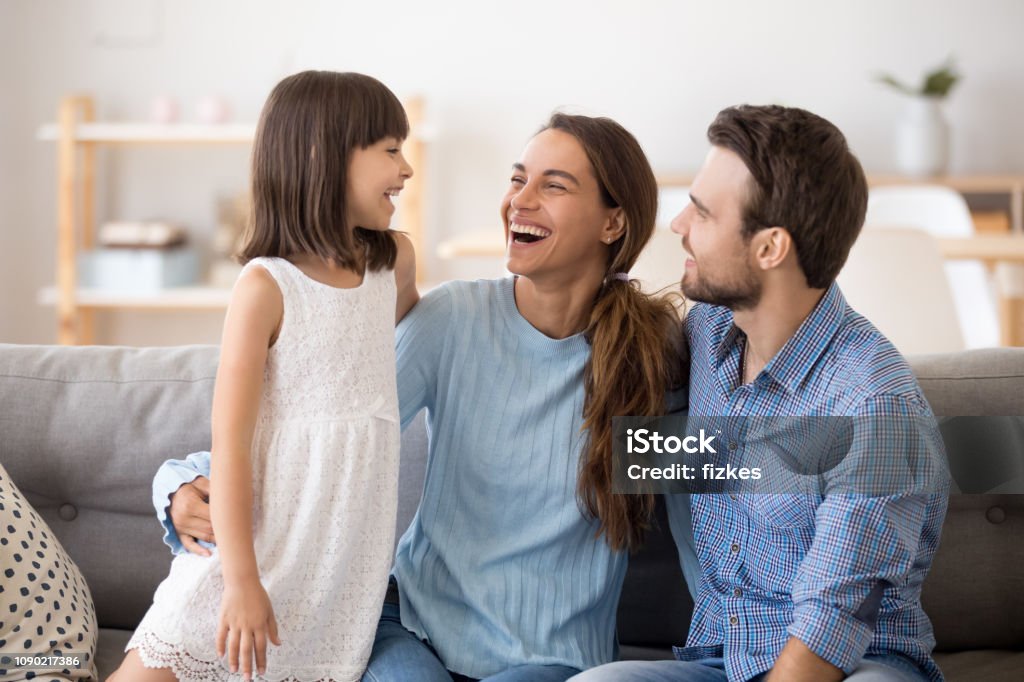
[(974, 593), (84, 431), (988, 665)]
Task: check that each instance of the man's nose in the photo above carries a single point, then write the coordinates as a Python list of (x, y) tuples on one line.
[(681, 223)]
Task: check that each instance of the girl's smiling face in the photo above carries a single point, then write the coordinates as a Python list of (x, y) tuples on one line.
[(376, 175)]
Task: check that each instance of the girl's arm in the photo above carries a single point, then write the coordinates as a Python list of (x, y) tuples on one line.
[(405, 276), (250, 328)]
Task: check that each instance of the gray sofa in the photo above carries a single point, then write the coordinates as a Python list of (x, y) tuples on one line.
[(82, 431)]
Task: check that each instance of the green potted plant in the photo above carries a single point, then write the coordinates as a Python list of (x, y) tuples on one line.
[(922, 136)]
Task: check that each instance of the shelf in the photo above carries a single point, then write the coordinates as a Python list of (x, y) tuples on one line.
[(184, 298), (144, 133), (78, 136)]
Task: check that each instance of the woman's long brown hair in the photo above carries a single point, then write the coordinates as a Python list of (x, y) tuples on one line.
[(635, 338)]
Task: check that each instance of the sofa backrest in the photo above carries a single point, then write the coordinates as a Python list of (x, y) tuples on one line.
[(83, 431)]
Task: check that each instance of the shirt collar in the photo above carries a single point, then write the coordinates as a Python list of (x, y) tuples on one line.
[(791, 365)]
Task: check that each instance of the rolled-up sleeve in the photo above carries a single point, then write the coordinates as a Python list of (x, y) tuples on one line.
[(862, 546), (171, 475), (868, 536)]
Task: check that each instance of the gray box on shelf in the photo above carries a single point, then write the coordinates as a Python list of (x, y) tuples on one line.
[(138, 270)]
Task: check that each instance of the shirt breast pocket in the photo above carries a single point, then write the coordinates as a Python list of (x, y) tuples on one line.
[(789, 510)]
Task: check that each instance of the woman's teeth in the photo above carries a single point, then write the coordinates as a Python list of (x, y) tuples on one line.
[(528, 233)]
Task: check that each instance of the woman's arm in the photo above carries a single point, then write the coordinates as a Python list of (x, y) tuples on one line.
[(250, 328), (405, 276)]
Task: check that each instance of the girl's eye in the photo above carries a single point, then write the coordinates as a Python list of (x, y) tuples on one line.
[(393, 150)]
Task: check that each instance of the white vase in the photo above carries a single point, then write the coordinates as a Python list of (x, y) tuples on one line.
[(922, 138)]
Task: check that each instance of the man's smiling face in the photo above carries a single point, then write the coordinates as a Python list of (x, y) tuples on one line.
[(720, 269)]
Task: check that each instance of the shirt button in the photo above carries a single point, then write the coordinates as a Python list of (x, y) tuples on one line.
[(735, 549), (732, 445), (733, 620), (732, 497), (737, 592)]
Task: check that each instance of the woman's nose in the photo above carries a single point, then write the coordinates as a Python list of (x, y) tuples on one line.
[(525, 197)]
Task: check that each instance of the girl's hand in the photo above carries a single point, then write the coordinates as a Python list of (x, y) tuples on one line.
[(246, 623)]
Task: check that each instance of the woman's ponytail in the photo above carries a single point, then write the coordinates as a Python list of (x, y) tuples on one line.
[(635, 338)]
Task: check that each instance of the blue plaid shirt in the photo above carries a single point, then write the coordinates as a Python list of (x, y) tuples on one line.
[(842, 573)]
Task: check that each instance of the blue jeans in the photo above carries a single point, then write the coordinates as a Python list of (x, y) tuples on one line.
[(873, 669), (400, 656)]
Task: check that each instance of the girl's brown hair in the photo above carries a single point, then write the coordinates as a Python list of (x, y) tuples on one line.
[(309, 127), (635, 338)]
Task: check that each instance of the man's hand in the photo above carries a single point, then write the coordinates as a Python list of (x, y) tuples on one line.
[(190, 515)]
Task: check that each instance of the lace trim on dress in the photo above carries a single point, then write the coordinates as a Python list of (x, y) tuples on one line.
[(156, 653)]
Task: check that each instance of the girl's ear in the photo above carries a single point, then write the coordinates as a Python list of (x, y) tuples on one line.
[(615, 227)]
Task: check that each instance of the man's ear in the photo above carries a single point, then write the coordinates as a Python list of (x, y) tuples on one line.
[(615, 227), (771, 246)]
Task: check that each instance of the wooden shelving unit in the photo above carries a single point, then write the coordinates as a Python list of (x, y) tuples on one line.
[(78, 135)]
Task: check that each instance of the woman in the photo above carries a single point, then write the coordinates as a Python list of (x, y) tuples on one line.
[(512, 567)]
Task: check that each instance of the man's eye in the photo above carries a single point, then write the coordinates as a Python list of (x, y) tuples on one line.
[(555, 185), (516, 180)]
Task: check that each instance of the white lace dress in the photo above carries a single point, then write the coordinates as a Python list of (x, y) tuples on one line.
[(325, 480)]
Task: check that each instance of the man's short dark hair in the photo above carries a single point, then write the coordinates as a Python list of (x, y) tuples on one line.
[(805, 179)]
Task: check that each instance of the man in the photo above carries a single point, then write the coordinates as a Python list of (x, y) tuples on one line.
[(795, 587)]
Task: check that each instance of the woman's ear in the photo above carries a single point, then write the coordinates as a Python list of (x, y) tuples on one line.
[(615, 227)]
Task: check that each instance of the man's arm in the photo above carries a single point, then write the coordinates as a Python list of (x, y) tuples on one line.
[(868, 538)]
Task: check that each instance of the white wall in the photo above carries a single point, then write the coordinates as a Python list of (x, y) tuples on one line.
[(490, 72)]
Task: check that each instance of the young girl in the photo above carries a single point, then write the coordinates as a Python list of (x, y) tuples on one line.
[(305, 409)]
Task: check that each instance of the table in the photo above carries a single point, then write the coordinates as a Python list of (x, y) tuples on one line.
[(993, 250)]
